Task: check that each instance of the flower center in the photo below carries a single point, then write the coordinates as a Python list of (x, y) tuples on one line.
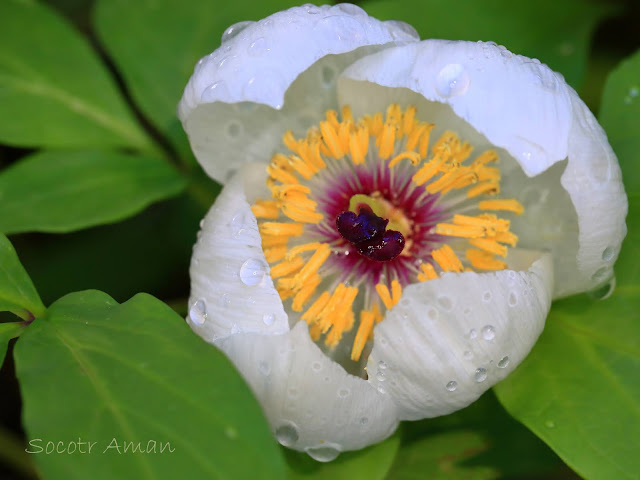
[(361, 209)]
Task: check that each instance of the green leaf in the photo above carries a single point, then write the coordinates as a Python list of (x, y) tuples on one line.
[(156, 45), (64, 191), (8, 331), (479, 442), (54, 91), (556, 32), (578, 390), (112, 374), (620, 117), (372, 463), (17, 293)]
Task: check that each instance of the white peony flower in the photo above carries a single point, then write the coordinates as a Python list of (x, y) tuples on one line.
[(359, 267)]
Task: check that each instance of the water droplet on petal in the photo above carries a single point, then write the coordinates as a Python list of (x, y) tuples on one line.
[(350, 9), (344, 392), (264, 368), (198, 312), (486, 296), (380, 376), (445, 302), (472, 334), (323, 453), (604, 291), (608, 254), (480, 375), (452, 386), (467, 355), (488, 332), (601, 274), (504, 362), (316, 366), (258, 47), (382, 365), (252, 271), (268, 319), (513, 299), (287, 434), (402, 30), (214, 92), (234, 30), (453, 80)]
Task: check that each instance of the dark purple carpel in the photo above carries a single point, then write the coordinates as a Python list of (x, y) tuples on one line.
[(383, 248), (362, 227)]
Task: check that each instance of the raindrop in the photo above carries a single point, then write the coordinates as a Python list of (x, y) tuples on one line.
[(513, 299), (634, 92), (504, 362), (445, 302), (467, 355), (488, 332), (380, 376), (214, 92), (268, 319), (258, 47), (452, 386), (608, 253), (486, 297), (453, 80), (402, 30), (382, 365), (350, 9), (264, 368), (239, 223), (234, 30), (601, 274), (344, 392), (604, 291), (287, 434), (252, 271), (472, 334), (323, 453), (225, 300), (363, 421), (198, 312), (432, 313), (480, 375), (316, 366)]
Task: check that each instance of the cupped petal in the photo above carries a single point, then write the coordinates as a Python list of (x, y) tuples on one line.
[(231, 288), (312, 404), (452, 338), (230, 105), (553, 154)]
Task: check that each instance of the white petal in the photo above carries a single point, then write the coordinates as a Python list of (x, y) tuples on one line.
[(231, 288), (451, 339), (312, 404), (541, 127), (259, 65)]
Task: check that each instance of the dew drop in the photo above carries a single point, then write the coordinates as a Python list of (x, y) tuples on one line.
[(234, 30), (473, 334), (432, 313), (382, 365), (380, 376), (323, 453), (235, 328), (480, 375), (225, 300), (252, 271), (488, 332), (608, 253), (601, 274), (344, 392), (363, 421), (350, 9), (504, 362), (467, 355), (604, 291), (268, 319), (513, 299), (486, 296), (287, 434), (452, 386), (198, 312), (453, 80), (214, 92), (445, 302), (264, 368), (316, 366), (258, 47), (402, 30)]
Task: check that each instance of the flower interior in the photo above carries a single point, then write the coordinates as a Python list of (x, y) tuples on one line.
[(361, 209)]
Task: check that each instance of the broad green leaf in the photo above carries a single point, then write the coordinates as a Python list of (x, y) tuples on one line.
[(156, 44), (558, 33), (578, 390), (54, 91), (479, 442), (72, 190), (620, 117), (17, 293), (372, 463), (7, 332), (113, 374)]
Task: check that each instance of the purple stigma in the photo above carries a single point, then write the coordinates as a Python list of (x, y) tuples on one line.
[(367, 232)]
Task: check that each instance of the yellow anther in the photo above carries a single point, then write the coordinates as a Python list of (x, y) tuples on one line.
[(413, 157), (355, 149), (427, 171), (304, 214), (304, 168), (281, 229), (414, 136), (332, 118), (446, 180), (281, 175), (314, 263), (428, 272), (313, 312), (447, 259), (463, 152), (344, 135), (324, 317), (506, 237), (387, 141), (484, 188), (288, 191), (484, 260), (290, 141), (488, 173), (423, 144), (266, 209), (314, 155), (272, 241), (364, 331), (394, 113), (287, 267), (408, 120), (489, 245), (275, 254), (305, 293), (485, 221), (484, 158), (305, 247), (342, 317), (347, 116), (452, 230), (389, 298), (331, 140), (510, 205)]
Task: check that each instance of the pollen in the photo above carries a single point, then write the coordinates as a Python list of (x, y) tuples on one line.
[(360, 208)]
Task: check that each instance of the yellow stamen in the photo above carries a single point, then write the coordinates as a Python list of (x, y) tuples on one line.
[(485, 188), (364, 330), (287, 267), (303, 167), (332, 118), (281, 229), (304, 214), (447, 259), (342, 319), (314, 263), (313, 312), (510, 205), (281, 175), (387, 141), (305, 247), (489, 245), (506, 237), (347, 116), (427, 171), (275, 254), (389, 298), (413, 157), (272, 241), (306, 292), (266, 209), (487, 221), (484, 158), (331, 140), (428, 272), (484, 260), (468, 231), (408, 120)]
